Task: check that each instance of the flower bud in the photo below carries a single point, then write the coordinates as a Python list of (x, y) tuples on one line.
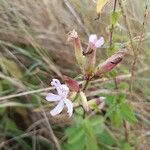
[(71, 83), (110, 63), (84, 101), (97, 103)]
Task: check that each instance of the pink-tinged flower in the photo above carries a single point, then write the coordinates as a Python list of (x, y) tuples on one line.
[(61, 98), (94, 42), (90, 55)]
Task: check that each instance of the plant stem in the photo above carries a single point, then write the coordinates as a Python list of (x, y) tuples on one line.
[(85, 85), (112, 26), (51, 131), (131, 43), (126, 131)]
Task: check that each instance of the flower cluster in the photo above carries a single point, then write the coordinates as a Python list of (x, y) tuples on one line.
[(86, 60)]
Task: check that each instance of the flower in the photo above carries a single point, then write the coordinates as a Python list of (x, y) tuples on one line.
[(94, 42), (90, 55), (61, 98)]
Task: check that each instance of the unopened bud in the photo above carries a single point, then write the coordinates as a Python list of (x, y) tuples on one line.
[(110, 63), (71, 83), (84, 101), (97, 103)]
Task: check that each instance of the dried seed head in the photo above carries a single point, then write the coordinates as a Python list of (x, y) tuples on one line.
[(73, 36)]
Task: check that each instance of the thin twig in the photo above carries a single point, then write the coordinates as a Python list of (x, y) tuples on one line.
[(136, 54), (85, 85), (120, 77), (126, 132), (14, 81), (26, 93), (131, 42), (20, 136), (134, 57), (142, 30), (138, 47), (67, 3), (112, 26), (51, 131)]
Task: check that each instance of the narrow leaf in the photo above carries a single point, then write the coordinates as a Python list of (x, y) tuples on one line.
[(127, 112), (100, 5)]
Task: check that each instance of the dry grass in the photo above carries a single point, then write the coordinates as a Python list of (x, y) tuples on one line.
[(33, 50)]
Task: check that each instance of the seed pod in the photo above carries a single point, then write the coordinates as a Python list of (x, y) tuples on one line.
[(110, 63), (73, 36)]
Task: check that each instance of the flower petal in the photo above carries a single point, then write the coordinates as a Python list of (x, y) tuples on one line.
[(57, 110), (99, 42), (92, 38), (55, 83), (52, 97), (69, 105), (64, 90)]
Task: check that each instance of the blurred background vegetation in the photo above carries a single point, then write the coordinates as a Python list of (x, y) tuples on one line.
[(34, 49)]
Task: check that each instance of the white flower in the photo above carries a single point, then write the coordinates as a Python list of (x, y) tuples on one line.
[(94, 42), (61, 98)]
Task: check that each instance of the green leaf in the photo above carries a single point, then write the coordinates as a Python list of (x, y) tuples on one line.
[(2, 110), (116, 118), (91, 142), (127, 146), (111, 50), (12, 127), (112, 108), (106, 138), (123, 85), (97, 123), (76, 146), (24, 144), (110, 100), (76, 135), (114, 17), (127, 112)]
